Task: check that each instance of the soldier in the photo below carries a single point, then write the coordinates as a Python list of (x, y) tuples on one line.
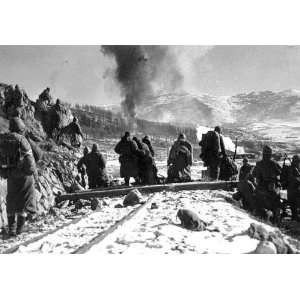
[(128, 151), (246, 187), (76, 133), (267, 177), (46, 97), (8, 94), (145, 163), (228, 169), (81, 166), (180, 160), (95, 167), (212, 151), (20, 173), (58, 105), (18, 100), (245, 170), (14, 102), (147, 141), (293, 189)]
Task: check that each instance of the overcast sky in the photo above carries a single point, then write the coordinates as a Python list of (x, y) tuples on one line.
[(79, 73)]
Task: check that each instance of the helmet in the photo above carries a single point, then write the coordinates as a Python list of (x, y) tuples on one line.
[(267, 150)]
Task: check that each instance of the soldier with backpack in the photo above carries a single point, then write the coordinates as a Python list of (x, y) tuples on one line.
[(17, 165), (95, 168), (128, 151), (212, 151), (293, 186), (180, 160)]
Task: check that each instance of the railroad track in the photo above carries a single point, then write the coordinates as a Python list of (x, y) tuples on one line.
[(81, 234)]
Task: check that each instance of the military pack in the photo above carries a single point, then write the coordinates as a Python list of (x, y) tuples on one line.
[(13, 147)]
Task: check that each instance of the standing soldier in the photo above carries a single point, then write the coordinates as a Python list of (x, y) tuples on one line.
[(45, 96), (267, 176), (128, 151), (95, 168), (81, 166), (76, 133), (293, 189), (19, 168), (212, 151)]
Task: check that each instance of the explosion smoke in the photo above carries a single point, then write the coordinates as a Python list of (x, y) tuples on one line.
[(142, 72)]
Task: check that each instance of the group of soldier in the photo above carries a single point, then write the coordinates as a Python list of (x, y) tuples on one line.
[(258, 186), (137, 161)]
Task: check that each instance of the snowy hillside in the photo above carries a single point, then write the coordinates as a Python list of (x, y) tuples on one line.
[(239, 109), (274, 115)]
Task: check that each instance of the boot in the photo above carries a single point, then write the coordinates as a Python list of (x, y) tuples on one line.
[(11, 226), (20, 224)]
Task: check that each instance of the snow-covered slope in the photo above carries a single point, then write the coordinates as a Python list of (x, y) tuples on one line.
[(274, 115), (204, 109)]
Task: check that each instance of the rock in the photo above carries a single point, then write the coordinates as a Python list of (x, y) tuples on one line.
[(79, 204), (104, 203), (54, 211), (76, 187), (256, 231), (154, 206), (265, 247), (260, 233), (63, 204), (190, 220), (281, 246), (95, 204), (134, 197), (119, 205)]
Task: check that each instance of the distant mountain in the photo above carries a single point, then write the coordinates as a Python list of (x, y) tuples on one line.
[(186, 109), (256, 116), (238, 110)]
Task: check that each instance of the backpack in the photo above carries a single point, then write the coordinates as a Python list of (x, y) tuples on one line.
[(13, 148)]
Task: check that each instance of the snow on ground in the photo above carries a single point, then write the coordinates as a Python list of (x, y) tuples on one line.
[(69, 238), (157, 231)]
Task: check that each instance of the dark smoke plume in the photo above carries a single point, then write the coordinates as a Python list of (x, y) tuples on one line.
[(142, 71)]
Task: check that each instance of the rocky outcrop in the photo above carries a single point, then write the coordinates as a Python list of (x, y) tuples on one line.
[(52, 116), (56, 169)]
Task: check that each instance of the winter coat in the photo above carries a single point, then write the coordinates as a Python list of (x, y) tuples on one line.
[(21, 195), (245, 172), (128, 151), (148, 143), (95, 168), (146, 165), (266, 173), (179, 162)]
